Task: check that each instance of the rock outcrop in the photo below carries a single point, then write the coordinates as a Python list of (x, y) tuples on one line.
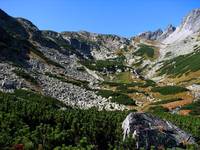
[(158, 35), (148, 131)]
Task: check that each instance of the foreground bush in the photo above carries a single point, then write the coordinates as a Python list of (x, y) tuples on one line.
[(37, 121)]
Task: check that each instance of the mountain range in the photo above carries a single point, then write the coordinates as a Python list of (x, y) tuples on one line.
[(154, 72), (85, 69)]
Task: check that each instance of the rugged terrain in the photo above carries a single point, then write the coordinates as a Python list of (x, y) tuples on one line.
[(155, 71), (87, 70)]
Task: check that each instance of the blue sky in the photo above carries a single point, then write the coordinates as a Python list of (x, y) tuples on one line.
[(121, 17)]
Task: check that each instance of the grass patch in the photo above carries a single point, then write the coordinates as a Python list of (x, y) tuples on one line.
[(167, 101), (145, 84), (146, 51), (104, 65), (125, 89), (117, 97), (123, 77), (168, 90), (132, 84)]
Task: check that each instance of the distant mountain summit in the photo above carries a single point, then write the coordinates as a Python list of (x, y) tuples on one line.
[(189, 26), (191, 21), (159, 34)]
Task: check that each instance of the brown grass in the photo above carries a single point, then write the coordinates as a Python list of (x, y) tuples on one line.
[(187, 99), (184, 112)]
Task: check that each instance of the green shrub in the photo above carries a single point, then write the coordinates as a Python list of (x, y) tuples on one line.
[(150, 83), (157, 109), (31, 119), (145, 50), (109, 64), (21, 73), (116, 97), (194, 107), (168, 90), (181, 65)]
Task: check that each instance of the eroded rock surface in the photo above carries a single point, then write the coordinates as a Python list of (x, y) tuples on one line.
[(148, 130)]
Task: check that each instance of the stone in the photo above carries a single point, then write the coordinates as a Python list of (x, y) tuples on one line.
[(149, 130), (8, 84)]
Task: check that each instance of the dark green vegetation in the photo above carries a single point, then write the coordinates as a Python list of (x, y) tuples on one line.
[(168, 90), (105, 65), (124, 89), (133, 84), (116, 97), (38, 121), (147, 83), (181, 65), (120, 95), (31, 119), (21, 73), (146, 51), (194, 107)]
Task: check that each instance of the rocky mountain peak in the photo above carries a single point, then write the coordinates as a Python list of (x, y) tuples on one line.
[(170, 28), (149, 35), (192, 21), (167, 32), (189, 26)]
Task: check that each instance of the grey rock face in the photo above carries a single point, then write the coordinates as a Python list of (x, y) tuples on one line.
[(99, 46), (169, 30), (148, 131), (192, 21), (158, 35), (8, 80)]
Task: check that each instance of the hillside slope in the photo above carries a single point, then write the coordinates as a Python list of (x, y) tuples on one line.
[(110, 72)]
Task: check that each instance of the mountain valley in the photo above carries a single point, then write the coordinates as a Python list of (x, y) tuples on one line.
[(154, 72)]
